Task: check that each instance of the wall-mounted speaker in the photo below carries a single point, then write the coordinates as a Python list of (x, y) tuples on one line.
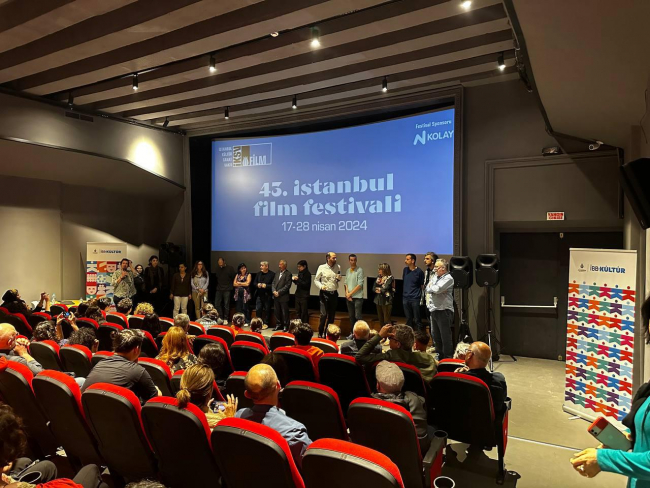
[(487, 270), (635, 180), (461, 271)]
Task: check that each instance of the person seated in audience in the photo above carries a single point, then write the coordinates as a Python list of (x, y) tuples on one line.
[(14, 349), (279, 365), (421, 340), (144, 308), (13, 302), (175, 351), (214, 356), (461, 350), (95, 313), (182, 320), (145, 484), (477, 358), (292, 325), (333, 332), (361, 334), (390, 381), (238, 322), (303, 335), (102, 303), (401, 340), (82, 308), (84, 337), (48, 331), (209, 316), (124, 306), (197, 384), (263, 388), (151, 323), (257, 326), (122, 368)]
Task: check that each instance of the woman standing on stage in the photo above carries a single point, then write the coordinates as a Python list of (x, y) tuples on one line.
[(181, 290), (242, 291), (200, 282), (385, 292)]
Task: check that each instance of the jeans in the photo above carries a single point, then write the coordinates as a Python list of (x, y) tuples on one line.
[(383, 312), (354, 310), (198, 303), (242, 307), (180, 303), (302, 309), (281, 315), (222, 303), (263, 308), (412, 312), (328, 302), (441, 321)]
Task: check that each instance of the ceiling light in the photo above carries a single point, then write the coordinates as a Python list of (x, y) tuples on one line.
[(315, 37), (227, 113), (501, 62), (466, 4), (213, 65), (166, 122), (294, 102), (135, 82), (275, 34), (384, 85), (70, 99)]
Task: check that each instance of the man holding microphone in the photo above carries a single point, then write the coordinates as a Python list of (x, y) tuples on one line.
[(327, 280), (123, 282)]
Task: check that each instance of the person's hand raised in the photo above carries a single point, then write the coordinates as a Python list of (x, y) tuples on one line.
[(386, 331)]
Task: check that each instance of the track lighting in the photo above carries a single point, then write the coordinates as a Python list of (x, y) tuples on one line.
[(226, 114), (166, 122), (135, 82), (315, 37), (501, 62), (294, 102), (213, 64), (70, 99), (384, 85)]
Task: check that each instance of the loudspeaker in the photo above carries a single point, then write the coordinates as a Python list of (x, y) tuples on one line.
[(487, 270), (635, 180), (461, 271)]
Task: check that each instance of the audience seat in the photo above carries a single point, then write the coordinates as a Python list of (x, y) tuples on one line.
[(299, 364), (135, 322), (449, 365), (317, 407), (76, 358), (205, 339), (20, 323), (345, 376), (16, 390), (176, 386), (104, 335), (377, 424), (159, 339), (235, 386), (113, 414), (281, 339), (325, 345), (47, 354), (184, 452), (245, 355), (413, 380), (462, 405), (117, 318), (86, 322), (165, 323), (99, 356), (4, 311), (149, 346), (255, 337), (60, 398), (261, 457), (73, 308), (196, 329), (57, 309), (329, 461), (160, 374), (223, 332), (36, 318)]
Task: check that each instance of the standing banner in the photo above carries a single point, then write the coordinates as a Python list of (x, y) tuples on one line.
[(600, 333), (102, 259)]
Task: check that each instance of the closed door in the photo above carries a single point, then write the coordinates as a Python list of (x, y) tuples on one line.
[(534, 271)]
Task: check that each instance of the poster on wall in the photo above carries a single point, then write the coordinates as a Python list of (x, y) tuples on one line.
[(600, 333), (102, 259)]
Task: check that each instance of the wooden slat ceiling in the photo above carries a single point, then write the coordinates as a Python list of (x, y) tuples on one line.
[(92, 48)]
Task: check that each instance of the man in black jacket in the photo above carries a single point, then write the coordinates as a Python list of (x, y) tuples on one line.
[(280, 288), (225, 275), (154, 278), (477, 358), (262, 285), (303, 289)]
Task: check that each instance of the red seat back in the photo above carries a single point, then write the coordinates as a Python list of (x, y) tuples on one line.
[(104, 335), (20, 323), (160, 374), (413, 380), (47, 354), (255, 337), (345, 376), (299, 364), (235, 386), (223, 332), (149, 346), (282, 339), (100, 356), (76, 358), (86, 322), (117, 318), (196, 329), (58, 308), (135, 321), (201, 341), (325, 345), (449, 365), (245, 355)]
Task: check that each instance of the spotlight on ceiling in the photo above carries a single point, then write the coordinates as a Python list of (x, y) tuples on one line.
[(294, 102), (275, 34), (166, 122), (135, 82), (70, 99), (501, 62), (213, 64), (466, 4), (226, 114), (315, 37), (384, 85)]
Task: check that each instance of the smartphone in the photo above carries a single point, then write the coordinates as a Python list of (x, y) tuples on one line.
[(609, 435), (66, 314), (217, 407)]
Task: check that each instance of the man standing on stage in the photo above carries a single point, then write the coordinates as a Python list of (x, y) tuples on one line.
[(281, 286), (123, 282), (440, 301), (327, 280), (262, 284), (354, 290), (430, 259), (412, 291), (303, 289), (225, 275)]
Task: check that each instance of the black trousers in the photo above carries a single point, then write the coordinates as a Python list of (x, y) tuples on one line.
[(302, 309), (328, 302), (281, 314), (263, 308)]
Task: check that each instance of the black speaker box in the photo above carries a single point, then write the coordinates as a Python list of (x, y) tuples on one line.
[(461, 271), (487, 270), (635, 180)]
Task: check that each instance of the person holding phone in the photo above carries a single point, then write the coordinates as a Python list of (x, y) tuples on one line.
[(123, 281)]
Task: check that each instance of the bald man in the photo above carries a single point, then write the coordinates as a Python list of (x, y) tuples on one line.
[(14, 349), (477, 358), (263, 387)]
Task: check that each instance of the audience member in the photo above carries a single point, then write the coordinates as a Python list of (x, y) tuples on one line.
[(144, 308), (263, 388), (145, 484), (151, 323), (82, 308), (333, 332), (48, 331), (182, 320), (461, 350), (84, 337), (200, 282), (181, 290), (122, 368), (197, 384), (175, 351), (390, 381), (124, 306), (361, 334), (238, 323), (95, 314), (477, 357), (401, 340), (13, 302), (257, 326), (279, 365), (293, 324), (303, 335), (209, 316), (103, 303), (421, 340), (14, 349), (214, 356)]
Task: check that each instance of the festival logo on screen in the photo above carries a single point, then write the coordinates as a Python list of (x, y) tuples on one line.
[(433, 131), (247, 155)]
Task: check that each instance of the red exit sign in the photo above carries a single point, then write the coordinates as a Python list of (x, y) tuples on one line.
[(554, 215)]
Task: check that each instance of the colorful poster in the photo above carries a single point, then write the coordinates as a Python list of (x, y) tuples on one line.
[(102, 259), (600, 333)]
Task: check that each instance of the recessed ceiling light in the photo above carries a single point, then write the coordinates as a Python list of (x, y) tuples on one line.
[(466, 4), (213, 65), (315, 37), (501, 62), (275, 34), (135, 82)]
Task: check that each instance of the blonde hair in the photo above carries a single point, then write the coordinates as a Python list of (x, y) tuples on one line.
[(385, 268), (174, 346), (196, 386), (144, 308)]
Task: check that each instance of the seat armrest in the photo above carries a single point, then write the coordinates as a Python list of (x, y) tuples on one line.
[(432, 461), (508, 403)]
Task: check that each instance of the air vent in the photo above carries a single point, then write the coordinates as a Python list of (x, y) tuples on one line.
[(75, 115)]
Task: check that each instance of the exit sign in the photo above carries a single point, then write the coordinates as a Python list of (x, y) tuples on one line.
[(554, 215)]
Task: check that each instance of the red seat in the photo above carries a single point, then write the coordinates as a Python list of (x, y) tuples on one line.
[(149, 346), (196, 329), (365, 415), (160, 374), (57, 309), (60, 398), (235, 386), (317, 407), (176, 386), (86, 322), (191, 431), (135, 321), (413, 380), (328, 461), (223, 332), (201, 341), (20, 323), (462, 406), (282, 339), (104, 335), (159, 339), (117, 318), (36, 318), (16, 390), (255, 337), (100, 356), (245, 355), (76, 358), (299, 364), (4, 311), (345, 376), (113, 414), (325, 345), (47, 354), (449, 365), (260, 443)]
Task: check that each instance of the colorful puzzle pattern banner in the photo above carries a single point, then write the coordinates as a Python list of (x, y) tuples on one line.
[(102, 259), (600, 333)]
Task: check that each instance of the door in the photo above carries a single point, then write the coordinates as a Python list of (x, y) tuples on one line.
[(534, 270)]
